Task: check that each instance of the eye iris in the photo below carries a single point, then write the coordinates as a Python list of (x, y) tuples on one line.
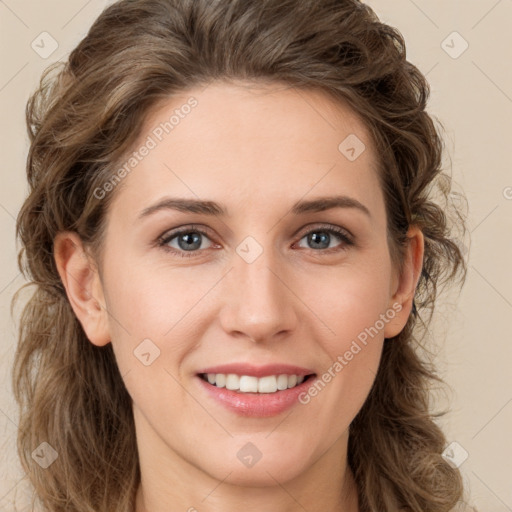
[(192, 241), (314, 238)]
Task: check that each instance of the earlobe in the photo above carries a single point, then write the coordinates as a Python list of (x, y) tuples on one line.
[(83, 286), (403, 295)]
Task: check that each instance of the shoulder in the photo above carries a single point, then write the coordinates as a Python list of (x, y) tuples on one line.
[(461, 507), (464, 507)]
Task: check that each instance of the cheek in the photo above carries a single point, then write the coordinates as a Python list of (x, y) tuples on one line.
[(159, 304), (356, 312), (150, 324), (352, 304), (163, 303), (145, 301)]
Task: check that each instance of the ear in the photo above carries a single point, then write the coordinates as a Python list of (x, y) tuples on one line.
[(83, 286), (404, 285)]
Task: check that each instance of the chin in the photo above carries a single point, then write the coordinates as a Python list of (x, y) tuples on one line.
[(261, 475), (257, 467)]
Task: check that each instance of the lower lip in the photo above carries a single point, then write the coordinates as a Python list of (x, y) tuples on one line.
[(257, 404)]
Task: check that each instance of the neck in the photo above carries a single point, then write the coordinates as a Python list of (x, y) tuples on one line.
[(169, 483), (282, 498)]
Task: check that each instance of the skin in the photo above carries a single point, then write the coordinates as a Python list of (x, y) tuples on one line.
[(256, 150)]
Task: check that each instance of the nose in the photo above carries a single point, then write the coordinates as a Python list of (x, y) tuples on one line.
[(260, 304)]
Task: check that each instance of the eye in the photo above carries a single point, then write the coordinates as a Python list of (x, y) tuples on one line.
[(188, 241), (321, 238), (184, 242)]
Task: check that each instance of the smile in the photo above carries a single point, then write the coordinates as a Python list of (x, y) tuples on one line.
[(264, 396), (251, 384)]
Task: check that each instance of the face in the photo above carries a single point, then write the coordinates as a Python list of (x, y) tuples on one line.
[(265, 279)]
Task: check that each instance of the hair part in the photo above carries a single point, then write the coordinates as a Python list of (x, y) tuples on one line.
[(82, 122)]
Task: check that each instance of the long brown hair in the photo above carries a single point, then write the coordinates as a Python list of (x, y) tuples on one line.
[(81, 122)]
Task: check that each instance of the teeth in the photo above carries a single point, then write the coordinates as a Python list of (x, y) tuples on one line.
[(232, 382), (267, 384), (282, 382), (250, 384), (220, 380)]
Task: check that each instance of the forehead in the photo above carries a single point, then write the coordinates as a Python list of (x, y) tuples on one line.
[(271, 114), (244, 143)]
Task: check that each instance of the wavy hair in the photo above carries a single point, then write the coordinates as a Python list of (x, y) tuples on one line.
[(82, 120)]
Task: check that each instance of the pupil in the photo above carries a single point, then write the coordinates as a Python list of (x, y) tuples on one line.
[(315, 239), (193, 240), (190, 239)]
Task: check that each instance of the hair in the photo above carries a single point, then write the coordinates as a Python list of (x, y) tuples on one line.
[(83, 119)]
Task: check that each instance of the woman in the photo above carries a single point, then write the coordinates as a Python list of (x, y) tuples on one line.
[(234, 246)]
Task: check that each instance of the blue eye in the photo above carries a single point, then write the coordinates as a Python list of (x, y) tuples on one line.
[(325, 237), (188, 241)]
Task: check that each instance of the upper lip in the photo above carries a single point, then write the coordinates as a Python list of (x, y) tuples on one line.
[(258, 371)]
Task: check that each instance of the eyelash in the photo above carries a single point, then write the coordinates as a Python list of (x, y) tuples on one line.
[(163, 240)]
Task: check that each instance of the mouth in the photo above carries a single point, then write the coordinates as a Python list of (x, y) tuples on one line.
[(249, 389), (250, 384)]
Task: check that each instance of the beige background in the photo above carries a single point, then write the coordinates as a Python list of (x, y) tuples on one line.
[(471, 97)]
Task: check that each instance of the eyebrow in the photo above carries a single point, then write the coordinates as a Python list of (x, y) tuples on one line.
[(212, 208)]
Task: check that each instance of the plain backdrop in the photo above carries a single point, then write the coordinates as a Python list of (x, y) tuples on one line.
[(465, 49)]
